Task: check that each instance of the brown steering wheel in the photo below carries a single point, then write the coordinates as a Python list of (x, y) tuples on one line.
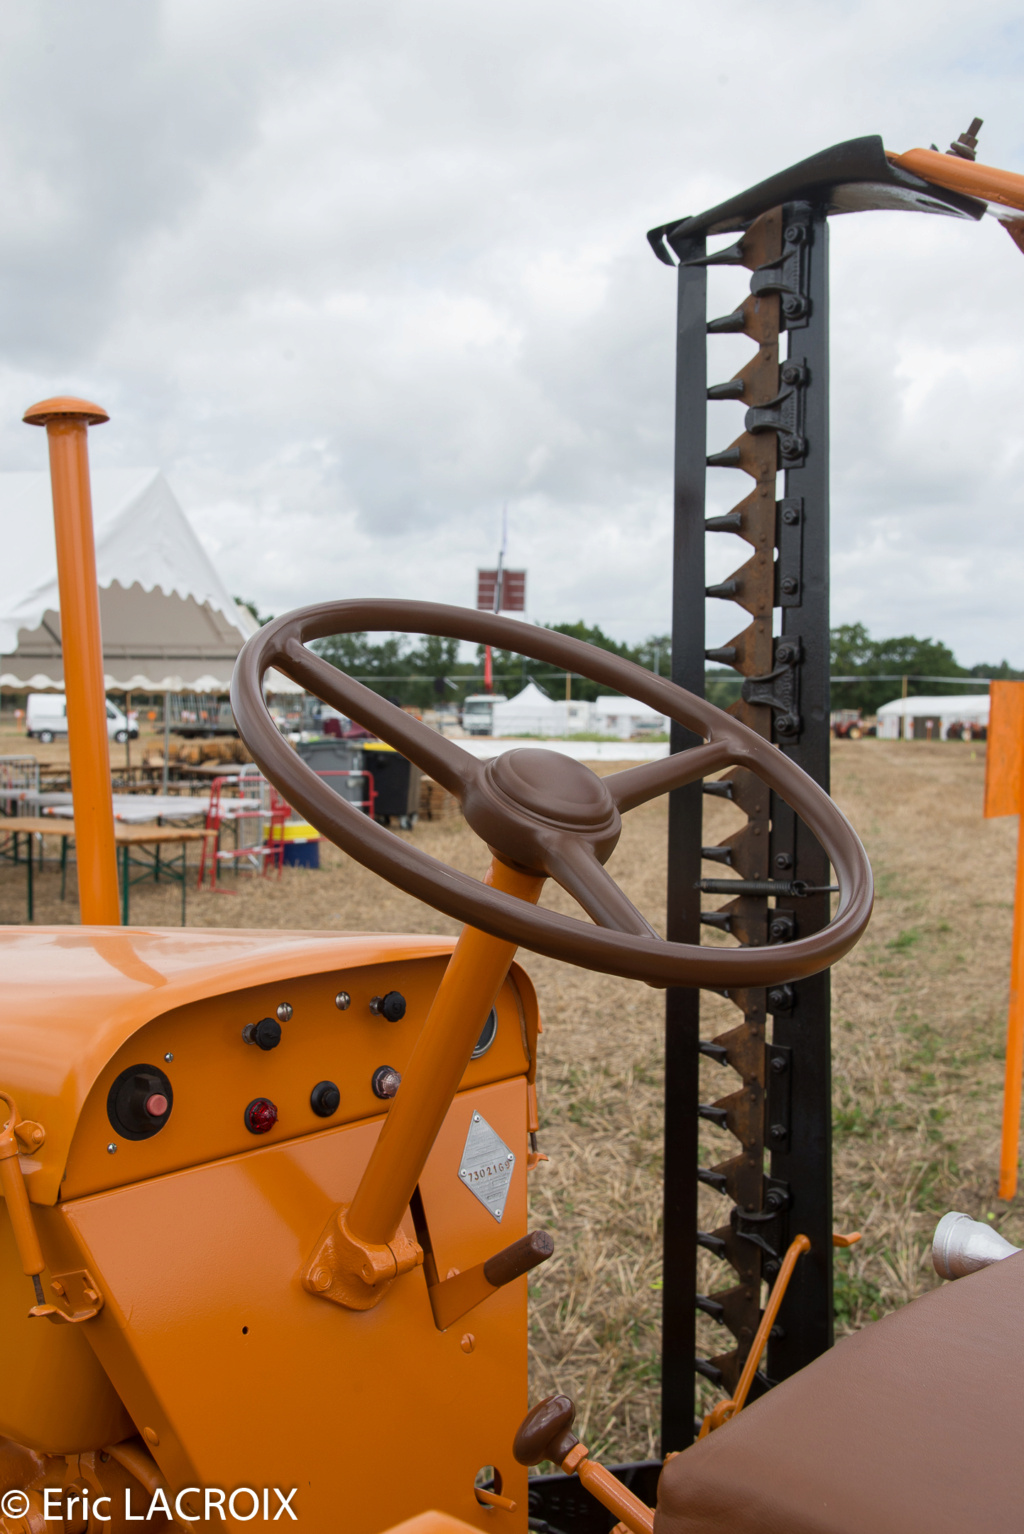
[(536, 810)]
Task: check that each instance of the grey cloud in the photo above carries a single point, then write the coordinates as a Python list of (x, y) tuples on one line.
[(357, 275)]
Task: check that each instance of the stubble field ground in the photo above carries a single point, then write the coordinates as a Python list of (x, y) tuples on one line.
[(919, 1019)]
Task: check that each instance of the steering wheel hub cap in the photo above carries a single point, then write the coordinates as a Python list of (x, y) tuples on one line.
[(554, 788)]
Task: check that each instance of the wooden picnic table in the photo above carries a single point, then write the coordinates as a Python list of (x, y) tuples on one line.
[(141, 838), (132, 843), (37, 825)]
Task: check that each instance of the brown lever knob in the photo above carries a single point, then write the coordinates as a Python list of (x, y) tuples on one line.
[(526, 1253), (544, 1432)]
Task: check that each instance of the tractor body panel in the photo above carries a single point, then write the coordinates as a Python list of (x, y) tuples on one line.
[(196, 1233), (58, 1400), (220, 1354)]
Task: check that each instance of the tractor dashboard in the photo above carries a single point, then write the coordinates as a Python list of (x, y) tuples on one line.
[(142, 1052), (269, 1062)]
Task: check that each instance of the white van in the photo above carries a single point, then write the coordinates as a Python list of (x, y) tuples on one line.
[(478, 712), (46, 718)]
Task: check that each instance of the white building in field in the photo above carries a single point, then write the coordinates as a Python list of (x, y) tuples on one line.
[(910, 718), (626, 717), (530, 712)]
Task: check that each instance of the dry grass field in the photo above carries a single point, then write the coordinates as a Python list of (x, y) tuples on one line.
[(918, 1028)]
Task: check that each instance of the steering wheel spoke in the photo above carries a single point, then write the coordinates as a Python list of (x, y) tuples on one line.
[(575, 866), (636, 785), (447, 763)]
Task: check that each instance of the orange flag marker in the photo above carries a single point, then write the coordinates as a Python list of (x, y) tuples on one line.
[(1004, 795)]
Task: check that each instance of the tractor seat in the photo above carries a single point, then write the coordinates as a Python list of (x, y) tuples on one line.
[(912, 1424)]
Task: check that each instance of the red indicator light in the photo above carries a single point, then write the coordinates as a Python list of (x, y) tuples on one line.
[(260, 1116), (156, 1105)]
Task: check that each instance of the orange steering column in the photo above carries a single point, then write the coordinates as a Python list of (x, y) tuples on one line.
[(67, 422), (363, 1248)]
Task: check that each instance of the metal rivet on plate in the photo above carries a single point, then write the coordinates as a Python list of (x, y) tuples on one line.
[(168, 1057), (111, 1148)]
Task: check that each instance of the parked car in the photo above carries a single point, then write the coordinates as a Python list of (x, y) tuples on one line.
[(46, 718), (478, 712)]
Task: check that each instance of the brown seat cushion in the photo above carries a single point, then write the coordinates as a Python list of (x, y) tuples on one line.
[(914, 1424)]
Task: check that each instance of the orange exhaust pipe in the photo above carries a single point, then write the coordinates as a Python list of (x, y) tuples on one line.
[(67, 422)]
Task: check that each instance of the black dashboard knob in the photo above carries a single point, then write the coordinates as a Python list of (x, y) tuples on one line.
[(325, 1099), (139, 1102), (266, 1034), (391, 1006)]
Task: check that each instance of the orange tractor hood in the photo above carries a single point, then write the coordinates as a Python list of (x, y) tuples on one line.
[(74, 995)]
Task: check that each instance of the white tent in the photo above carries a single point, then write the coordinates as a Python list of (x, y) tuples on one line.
[(895, 719), (169, 623), (530, 712)]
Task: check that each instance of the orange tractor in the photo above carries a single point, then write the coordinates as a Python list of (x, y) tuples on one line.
[(265, 1234)]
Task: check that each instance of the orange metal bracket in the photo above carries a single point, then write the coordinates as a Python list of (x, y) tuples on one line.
[(458, 1295), (726, 1409), (78, 1290), (81, 1298), (67, 422), (15, 1194), (357, 1273)]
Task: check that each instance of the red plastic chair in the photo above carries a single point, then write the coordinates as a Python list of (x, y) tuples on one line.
[(280, 812), (255, 815)]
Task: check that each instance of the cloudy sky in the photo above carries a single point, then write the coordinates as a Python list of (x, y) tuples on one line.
[(356, 275)]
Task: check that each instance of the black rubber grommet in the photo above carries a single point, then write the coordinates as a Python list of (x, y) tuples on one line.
[(127, 1101)]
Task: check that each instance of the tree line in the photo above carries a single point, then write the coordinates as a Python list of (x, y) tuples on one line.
[(427, 673), (921, 661)]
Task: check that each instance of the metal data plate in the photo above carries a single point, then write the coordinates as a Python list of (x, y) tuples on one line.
[(486, 1166)]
